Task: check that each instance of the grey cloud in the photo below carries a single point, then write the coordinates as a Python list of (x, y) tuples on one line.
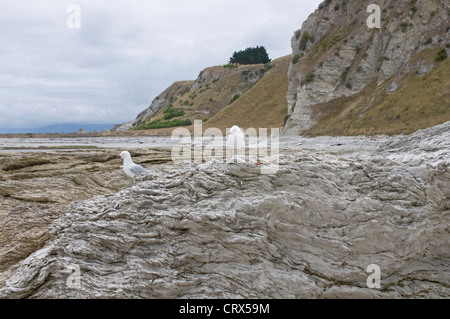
[(125, 53)]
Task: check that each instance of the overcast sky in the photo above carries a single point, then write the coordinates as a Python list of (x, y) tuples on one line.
[(125, 53)]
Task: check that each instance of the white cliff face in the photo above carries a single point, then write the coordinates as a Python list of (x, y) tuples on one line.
[(225, 231), (336, 55)]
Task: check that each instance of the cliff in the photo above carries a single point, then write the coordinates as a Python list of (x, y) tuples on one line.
[(346, 78), (168, 96)]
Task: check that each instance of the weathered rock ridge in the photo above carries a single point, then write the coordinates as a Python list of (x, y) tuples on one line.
[(61, 177), (226, 231)]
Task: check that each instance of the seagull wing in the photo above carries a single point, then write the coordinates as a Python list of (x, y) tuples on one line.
[(236, 141), (138, 170)]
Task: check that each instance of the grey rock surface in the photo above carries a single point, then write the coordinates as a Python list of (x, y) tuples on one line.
[(219, 230)]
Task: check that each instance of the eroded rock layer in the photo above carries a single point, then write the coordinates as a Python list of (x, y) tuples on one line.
[(219, 230)]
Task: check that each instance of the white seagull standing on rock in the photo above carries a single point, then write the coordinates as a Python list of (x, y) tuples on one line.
[(130, 168), (235, 141)]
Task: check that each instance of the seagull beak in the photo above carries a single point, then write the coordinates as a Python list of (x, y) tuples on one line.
[(118, 156)]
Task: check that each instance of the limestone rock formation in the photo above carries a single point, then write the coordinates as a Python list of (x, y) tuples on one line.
[(336, 54), (218, 230)]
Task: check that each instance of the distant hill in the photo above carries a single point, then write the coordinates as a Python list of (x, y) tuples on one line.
[(222, 96), (264, 105), (217, 98), (60, 128)]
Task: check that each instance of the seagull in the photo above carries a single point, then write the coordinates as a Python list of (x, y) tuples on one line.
[(130, 168), (235, 140)]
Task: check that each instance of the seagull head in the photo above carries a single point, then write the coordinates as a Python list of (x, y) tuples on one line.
[(234, 130), (124, 155)]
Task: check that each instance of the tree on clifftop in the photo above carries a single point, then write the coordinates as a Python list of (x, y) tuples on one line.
[(256, 55)]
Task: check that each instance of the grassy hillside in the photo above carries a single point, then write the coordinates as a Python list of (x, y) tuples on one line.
[(248, 96), (262, 106), (218, 90), (419, 102), (215, 89)]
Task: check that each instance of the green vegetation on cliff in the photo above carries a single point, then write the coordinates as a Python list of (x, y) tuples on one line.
[(256, 55)]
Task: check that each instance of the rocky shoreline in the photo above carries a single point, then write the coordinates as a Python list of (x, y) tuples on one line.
[(64, 176), (219, 230)]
